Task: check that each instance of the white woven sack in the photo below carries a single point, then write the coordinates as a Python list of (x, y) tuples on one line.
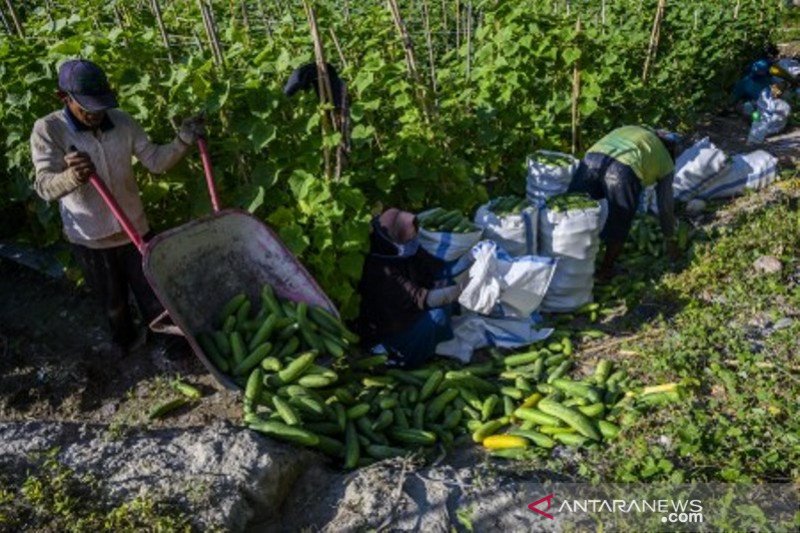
[(447, 246), (746, 171), (573, 237), (695, 166), (516, 234), (546, 179)]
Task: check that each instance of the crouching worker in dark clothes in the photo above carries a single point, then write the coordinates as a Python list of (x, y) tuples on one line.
[(400, 306), (618, 167)]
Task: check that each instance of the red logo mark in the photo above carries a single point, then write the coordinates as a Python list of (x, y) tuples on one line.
[(549, 500)]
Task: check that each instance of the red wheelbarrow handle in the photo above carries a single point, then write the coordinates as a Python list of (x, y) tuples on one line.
[(123, 219), (119, 214), (212, 188)]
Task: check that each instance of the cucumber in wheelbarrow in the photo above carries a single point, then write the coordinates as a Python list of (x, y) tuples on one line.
[(285, 330)]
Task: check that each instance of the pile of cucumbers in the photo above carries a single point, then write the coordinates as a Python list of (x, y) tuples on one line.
[(278, 331), (647, 239), (570, 201), (442, 220), (298, 388), (508, 205), (553, 159)]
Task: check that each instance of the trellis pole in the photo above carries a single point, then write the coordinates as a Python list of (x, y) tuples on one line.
[(162, 29), (15, 19), (654, 38), (576, 94)]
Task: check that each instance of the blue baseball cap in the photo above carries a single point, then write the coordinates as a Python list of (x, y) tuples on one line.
[(87, 84)]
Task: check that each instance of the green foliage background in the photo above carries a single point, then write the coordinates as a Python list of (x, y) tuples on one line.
[(503, 81)]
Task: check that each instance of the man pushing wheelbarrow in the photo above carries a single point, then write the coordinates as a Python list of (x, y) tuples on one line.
[(90, 136)]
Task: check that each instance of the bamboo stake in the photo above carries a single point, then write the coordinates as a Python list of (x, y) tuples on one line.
[(15, 19), (5, 23), (736, 9), (216, 53), (458, 24), (335, 40), (469, 38), (264, 18), (162, 29), (325, 91), (120, 22), (245, 17), (576, 94), (428, 38), (215, 34), (444, 24), (654, 37), (411, 63), (603, 13)]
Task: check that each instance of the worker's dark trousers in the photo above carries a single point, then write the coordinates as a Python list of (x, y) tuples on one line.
[(110, 273)]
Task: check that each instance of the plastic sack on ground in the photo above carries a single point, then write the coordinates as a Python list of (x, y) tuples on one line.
[(695, 166), (515, 233), (572, 237), (792, 66), (447, 246), (517, 284), (549, 173), (746, 171), (472, 332), (774, 116)]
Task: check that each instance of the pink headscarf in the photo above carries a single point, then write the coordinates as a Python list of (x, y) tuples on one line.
[(399, 225)]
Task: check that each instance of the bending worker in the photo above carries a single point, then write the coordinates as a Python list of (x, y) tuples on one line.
[(400, 306), (618, 167)]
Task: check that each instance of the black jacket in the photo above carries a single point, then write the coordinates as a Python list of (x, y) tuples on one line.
[(393, 289)]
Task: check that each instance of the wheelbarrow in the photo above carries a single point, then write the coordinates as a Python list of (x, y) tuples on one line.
[(194, 269)]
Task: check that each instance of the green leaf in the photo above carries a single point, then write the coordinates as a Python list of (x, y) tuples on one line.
[(261, 134), (294, 238), (257, 201), (351, 265), (362, 132)]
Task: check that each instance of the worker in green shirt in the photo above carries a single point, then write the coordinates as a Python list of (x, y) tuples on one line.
[(618, 167)]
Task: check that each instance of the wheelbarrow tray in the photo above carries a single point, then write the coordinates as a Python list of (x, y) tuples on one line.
[(194, 269)]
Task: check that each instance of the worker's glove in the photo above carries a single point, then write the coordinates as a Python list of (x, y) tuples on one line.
[(80, 164), (191, 129), (444, 296)]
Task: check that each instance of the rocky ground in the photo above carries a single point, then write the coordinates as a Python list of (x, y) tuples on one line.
[(60, 389)]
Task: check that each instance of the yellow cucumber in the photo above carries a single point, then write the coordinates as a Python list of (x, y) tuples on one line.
[(502, 442)]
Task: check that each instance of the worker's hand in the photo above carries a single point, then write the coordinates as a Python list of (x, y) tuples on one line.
[(81, 165), (191, 129), (443, 296)]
